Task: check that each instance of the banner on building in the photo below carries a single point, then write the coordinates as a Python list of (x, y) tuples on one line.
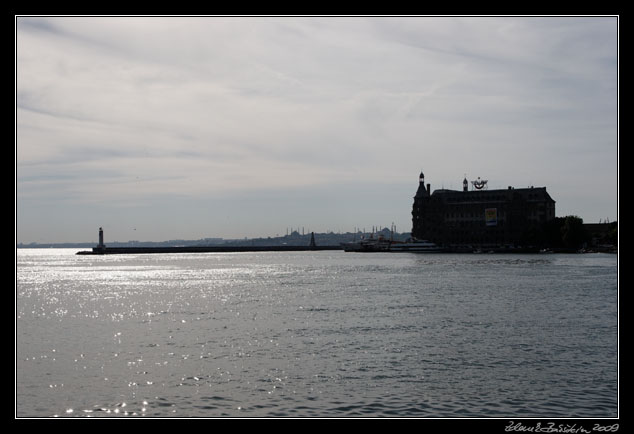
[(491, 216)]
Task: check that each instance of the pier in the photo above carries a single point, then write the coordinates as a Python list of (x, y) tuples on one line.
[(202, 249), (101, 248)]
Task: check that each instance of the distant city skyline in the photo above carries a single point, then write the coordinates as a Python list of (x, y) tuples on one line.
[(159, 128)]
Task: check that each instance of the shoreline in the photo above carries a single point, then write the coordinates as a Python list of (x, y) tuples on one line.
[(202, 249), (239, 249)]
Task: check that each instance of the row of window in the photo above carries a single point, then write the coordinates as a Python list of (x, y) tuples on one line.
[(477, 217), (479, 197)]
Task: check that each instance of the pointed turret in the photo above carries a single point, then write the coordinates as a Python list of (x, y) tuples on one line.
[(421, 186)]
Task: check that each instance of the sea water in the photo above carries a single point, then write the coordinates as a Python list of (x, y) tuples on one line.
[(326, 334)]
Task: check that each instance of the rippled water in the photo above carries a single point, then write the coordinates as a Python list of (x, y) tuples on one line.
[(316, 334)]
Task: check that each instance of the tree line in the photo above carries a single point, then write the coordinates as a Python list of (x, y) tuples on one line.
[(569, 232)]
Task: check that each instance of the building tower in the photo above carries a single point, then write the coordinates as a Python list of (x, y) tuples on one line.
[(421, 186), (420, 200), (465, 184), (101, 244)]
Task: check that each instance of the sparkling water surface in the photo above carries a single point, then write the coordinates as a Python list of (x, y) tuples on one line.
[(326, 334)]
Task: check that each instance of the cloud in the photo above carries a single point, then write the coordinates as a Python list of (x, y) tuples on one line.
[(126, 108)]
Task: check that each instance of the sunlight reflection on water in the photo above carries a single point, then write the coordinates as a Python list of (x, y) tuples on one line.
[(315, 334)]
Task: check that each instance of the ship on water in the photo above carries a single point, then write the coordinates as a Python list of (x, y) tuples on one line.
[(414, 245), (381, 244), (371, 244)]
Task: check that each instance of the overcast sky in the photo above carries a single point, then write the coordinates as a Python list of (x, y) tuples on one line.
[(165, 128)]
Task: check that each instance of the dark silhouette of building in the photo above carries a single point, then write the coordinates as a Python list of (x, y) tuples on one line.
[(101, 246), (480, 217)]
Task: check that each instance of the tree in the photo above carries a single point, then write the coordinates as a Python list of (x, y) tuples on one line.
[(573, 234), (613, 234)]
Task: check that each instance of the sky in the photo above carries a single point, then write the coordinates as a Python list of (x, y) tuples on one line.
[(159, 128)]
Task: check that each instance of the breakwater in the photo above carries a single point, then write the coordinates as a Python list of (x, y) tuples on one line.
[(202, 249)]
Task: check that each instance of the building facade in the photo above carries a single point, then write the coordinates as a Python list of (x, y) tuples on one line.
[(480, 217)]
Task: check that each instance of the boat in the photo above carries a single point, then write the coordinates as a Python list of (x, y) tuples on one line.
[(367, 245), (383, 245), (414, 245)]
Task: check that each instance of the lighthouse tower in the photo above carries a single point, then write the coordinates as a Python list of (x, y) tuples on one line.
[(101, 246)]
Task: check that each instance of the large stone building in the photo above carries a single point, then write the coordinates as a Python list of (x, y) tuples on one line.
[(480, 217)]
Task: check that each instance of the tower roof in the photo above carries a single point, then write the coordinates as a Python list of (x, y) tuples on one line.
[(422, 191)]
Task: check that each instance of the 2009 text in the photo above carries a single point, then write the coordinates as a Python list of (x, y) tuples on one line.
[(566, 428)]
